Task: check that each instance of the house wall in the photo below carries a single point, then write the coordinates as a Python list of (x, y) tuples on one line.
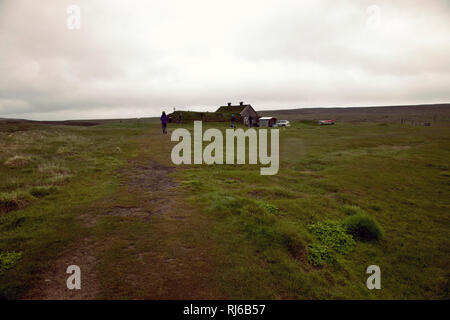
[(246, 113)]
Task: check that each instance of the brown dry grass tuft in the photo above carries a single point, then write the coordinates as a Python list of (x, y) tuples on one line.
[(10, 201), (18, 161)]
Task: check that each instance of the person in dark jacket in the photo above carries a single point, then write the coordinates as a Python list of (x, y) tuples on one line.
[(164, 122), (250, 121), (179, 118), (232, 120)]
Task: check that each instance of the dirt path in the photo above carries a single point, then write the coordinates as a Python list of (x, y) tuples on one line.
[(53, 284), (145, 243)]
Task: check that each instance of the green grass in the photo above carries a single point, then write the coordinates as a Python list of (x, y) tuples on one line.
[(69, 168), (43, 191), (396, 174), (260, 237), (352, 209)]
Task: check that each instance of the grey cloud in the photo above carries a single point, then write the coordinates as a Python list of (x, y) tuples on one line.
[(140, 57)]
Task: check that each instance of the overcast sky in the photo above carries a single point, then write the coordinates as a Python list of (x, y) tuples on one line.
[(136, 58)]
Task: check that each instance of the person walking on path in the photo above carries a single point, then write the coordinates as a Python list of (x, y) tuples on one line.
[(164, 122), (232, 120)]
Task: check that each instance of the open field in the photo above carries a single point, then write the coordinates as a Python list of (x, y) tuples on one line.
[(436, 114), (108, 198)]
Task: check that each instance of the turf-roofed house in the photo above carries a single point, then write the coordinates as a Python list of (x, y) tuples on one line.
[(242, 112)]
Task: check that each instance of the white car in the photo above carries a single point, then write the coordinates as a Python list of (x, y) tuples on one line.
[(283, 123)]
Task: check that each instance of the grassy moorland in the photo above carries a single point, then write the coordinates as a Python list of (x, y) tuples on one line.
[(49, 175), (398, 175), (225, 231)]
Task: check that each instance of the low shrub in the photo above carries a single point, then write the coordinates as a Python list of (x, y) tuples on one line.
[(333, 235), (8, 260), (319, 254), (363, 227)]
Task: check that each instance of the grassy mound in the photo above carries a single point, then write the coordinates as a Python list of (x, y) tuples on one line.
[(363, 227), (10, 201)]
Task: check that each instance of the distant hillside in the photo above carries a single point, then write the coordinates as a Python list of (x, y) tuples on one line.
[(437, 113), (434, 113), (84, 123)]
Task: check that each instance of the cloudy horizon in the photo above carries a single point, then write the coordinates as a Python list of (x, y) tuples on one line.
[(137, 58)]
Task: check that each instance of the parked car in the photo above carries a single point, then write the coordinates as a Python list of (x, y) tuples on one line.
[(283, 123), (326, 122)]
